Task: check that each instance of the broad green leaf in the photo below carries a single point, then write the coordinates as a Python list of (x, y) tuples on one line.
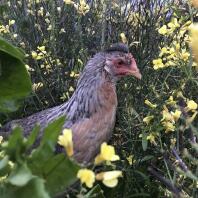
[(47, 146), (34, 189), (20, 176), (15, 146), (8, 48), (8, 105), (95, 192), (32, 137), (60, 172), (52, 131), (4, 162), (41, 155), (14, 79), (4, 166)]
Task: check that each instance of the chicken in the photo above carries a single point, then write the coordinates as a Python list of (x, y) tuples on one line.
[(91, 110)]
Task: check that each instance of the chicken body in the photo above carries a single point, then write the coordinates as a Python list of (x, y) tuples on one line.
[(90, 112)]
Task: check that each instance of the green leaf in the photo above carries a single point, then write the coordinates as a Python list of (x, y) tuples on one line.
[(52, 131), (41, 155), (60, 172), (8, 48), (8, 105), (32, 137), (4, 166), (95, 192), (14, 79), (15, 146), (34, 189), (20, 176), (144, 142), (4, 162), (47, 146), (146, 158)]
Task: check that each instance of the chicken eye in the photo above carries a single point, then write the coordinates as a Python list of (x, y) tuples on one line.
[(120, 62)]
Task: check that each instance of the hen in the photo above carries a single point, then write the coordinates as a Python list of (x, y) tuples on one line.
[(91, 110)]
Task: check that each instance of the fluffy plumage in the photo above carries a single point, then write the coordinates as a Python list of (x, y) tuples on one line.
[(92, 108)]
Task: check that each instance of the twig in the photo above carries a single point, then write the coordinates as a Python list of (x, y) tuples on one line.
[(180, 161), (167, 183)]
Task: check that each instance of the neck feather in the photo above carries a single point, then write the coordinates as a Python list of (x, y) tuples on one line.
[(87, 99)]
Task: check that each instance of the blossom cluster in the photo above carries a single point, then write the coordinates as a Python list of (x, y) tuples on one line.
[(170, 115), (177, 52), (87, 176)]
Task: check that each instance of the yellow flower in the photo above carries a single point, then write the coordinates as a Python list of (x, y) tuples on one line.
[(71, 89), (158, 63), (65, 140), (34, 54), (109, 178), (172, 51), (147, 102), (123, 38), (107, 153), (173, 142), (180, 95), (49, 27), (41, 48), (37, 86), (164, 50), (176, 115), (170, 63), (185, 56), (163, 30), (191, 119), (62, 30), (72, 74), (40, 11), (194, 39), (86, 176), (167, 116), (130, 159), (147, 119), (151, 138), (82, 8), (169, 126), (47, 21), (191, 105), (11, 22), (173, 24), (171, 101)]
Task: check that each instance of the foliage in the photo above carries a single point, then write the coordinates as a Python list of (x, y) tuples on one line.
[(36, 173), (13, 87), (157, 143)]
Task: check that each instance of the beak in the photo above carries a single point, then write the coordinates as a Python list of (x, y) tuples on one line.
[(136, 73), (134, 69)]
